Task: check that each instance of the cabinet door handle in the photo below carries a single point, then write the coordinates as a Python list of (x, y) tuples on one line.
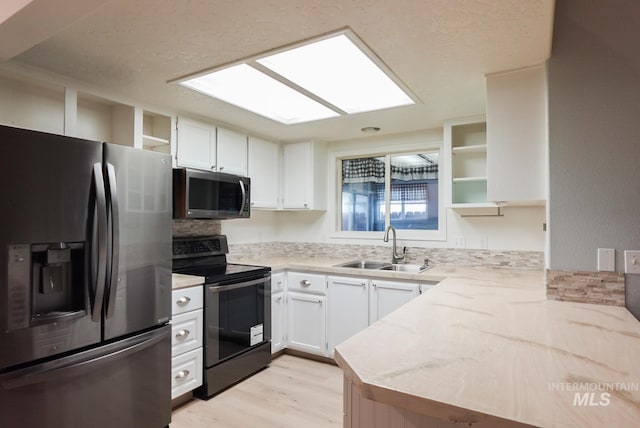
[(182, 374), (305, 283), (320, 302), (279, 299), (183, 300), (213, 167), (374, 285), (221, 168), (363, 284), (182, 333)]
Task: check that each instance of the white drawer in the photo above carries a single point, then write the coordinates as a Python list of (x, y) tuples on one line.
[(306, 282), (186, 299), (186, 372), (186, 332)]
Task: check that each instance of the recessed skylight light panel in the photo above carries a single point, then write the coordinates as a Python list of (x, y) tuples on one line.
[(250, 89), (336, 70)]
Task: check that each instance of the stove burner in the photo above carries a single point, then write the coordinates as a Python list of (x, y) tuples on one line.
[(205, 256)]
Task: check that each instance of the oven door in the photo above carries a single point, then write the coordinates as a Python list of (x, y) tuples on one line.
[(238, 315)]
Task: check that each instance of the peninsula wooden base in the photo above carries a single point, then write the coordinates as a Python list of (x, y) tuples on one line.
[(361, 412)]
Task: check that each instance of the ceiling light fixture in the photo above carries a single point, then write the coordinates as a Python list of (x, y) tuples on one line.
[(331, 76), (370, 129)]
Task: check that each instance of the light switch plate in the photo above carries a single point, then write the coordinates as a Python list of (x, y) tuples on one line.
[(632, 262), (606, 259)]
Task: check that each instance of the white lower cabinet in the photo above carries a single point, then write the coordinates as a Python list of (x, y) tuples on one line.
[(387, 296), (186, 372), (314, 313), (306, 326), (278, 312), (347, 308), (186, 340), (278, 322)]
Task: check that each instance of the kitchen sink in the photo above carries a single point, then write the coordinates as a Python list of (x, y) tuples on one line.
[(406, 267), (398, 267), (364, 264)]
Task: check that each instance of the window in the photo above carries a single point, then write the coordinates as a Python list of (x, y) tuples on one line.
[(399, 189)]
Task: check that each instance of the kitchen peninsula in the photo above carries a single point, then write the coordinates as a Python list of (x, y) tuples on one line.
[(485, 348)]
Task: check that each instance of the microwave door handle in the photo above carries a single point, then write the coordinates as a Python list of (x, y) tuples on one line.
[(115, 239), (244, 196), (101, 209)]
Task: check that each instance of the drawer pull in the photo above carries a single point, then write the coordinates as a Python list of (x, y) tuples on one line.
[(183, 300), (305, 283), (279, 299), (182, 374), (182, 333)]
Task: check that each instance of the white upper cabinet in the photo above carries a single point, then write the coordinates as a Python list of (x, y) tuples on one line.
[(196, 145), (232, 152), (264, 166), (304, 181), (517, 136)]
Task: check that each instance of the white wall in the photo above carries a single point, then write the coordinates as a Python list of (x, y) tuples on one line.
[(25, 105), (519, 229)]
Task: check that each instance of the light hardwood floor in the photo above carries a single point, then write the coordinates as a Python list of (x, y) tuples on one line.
[(292, 392)]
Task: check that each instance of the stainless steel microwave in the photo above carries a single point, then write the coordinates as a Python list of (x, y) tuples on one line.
[(204, 194)]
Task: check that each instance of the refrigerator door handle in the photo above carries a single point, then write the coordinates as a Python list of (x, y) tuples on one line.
[(115, 239), (79, 364), (101, 208)]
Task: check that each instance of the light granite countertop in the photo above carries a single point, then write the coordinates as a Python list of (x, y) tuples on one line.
[(485, 345), (179, 280)]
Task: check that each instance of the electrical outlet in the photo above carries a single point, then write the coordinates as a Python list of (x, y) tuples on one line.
[(606, 259), (460, 242), (484, 242), (632, 262)]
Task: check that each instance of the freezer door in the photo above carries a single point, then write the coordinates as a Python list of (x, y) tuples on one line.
[(47, 287), (138, 292), (126, 384)]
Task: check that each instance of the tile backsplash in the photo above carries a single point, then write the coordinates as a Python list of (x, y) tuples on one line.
[(603, 288), (182, 227), (533, 260)]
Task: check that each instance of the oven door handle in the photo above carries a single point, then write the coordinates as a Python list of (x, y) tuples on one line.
[(217, 288)]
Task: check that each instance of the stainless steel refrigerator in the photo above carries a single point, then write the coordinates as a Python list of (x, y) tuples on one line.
[(85, 283)]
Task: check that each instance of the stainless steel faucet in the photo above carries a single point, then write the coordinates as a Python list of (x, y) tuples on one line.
[(395, 257)]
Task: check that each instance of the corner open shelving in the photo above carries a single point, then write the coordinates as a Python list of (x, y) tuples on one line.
[(156, 132), (466, 141)]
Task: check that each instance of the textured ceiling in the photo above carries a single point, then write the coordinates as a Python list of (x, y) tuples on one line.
[(441, 49)]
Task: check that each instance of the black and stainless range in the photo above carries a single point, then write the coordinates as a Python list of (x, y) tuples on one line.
[(237, 329)]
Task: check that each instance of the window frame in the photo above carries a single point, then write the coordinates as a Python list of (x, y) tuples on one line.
[(404, 234)]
